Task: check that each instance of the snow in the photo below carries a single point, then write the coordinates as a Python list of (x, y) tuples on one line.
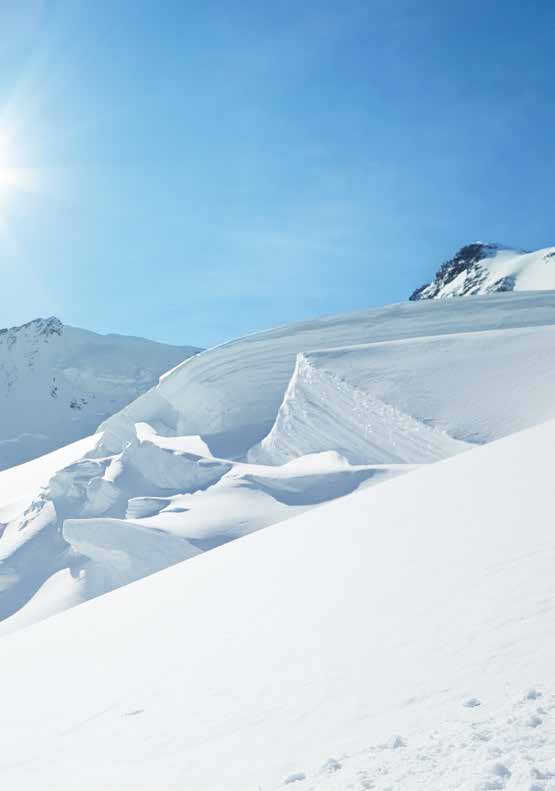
[(230, 395), (415, 400), (531, 271), (18, 484), (335, 650), (156, 487), (58, 383), (113, 520)]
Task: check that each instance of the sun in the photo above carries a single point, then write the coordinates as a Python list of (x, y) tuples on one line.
[(13, 175), (15, 178)]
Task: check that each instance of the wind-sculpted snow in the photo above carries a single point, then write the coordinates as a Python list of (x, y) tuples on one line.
[(102, 554), (102, 521), (57, 383), (323, 410), (415, 400), (231, 394), (399, 638), (172, 462)]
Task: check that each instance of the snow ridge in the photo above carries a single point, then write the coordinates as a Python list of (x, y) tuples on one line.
[(322, 411), (231, 394)]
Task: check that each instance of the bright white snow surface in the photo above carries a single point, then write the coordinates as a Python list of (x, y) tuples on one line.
[(399, 638), (18, 484), (102, 523), (415, 400), (180, 471), (231, 394), (57, 383)]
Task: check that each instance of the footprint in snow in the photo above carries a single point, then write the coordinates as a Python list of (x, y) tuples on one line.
[(330, 766), (395, 742), (539, 775), (294, 778), (471, 703), (534, 721), (533, 694), (499, 775)]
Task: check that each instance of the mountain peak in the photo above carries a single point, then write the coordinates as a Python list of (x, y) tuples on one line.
[(488, 267), (58, 382), (49, 326)]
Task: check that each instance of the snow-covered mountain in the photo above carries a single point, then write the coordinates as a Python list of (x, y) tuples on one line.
[(484, 268), (57, 383), (260, 429), (399, 638)]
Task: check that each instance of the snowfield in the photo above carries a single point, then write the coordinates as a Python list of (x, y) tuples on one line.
[(398, 638), (57, 383), (262, 429)]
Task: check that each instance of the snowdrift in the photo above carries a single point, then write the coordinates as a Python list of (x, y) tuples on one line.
[(102, 522), (400, 637), (351, 417), (415, 400), (231, 394)]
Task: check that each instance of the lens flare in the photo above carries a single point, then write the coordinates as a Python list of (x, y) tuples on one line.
[(15, 178)]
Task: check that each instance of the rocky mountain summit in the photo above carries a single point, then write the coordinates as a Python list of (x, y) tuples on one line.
[(487, 268)]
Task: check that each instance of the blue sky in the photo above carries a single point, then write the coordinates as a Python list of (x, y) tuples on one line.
[(200, 170)]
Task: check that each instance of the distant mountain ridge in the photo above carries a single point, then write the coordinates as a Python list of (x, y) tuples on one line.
[(57, 383), (487, 268)]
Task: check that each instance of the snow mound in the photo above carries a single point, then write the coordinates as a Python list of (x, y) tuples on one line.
[(58, 383), (483, 268), (417, 400), (120, 552), (110, 520), (333, 651)]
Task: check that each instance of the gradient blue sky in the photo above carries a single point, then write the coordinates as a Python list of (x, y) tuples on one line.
[(207, 169)]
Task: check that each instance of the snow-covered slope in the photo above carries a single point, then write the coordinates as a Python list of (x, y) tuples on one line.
[(151, 492), (483, 268), (399, 638), (57, 383), (104, 522), (231, 394), (415, 400)]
